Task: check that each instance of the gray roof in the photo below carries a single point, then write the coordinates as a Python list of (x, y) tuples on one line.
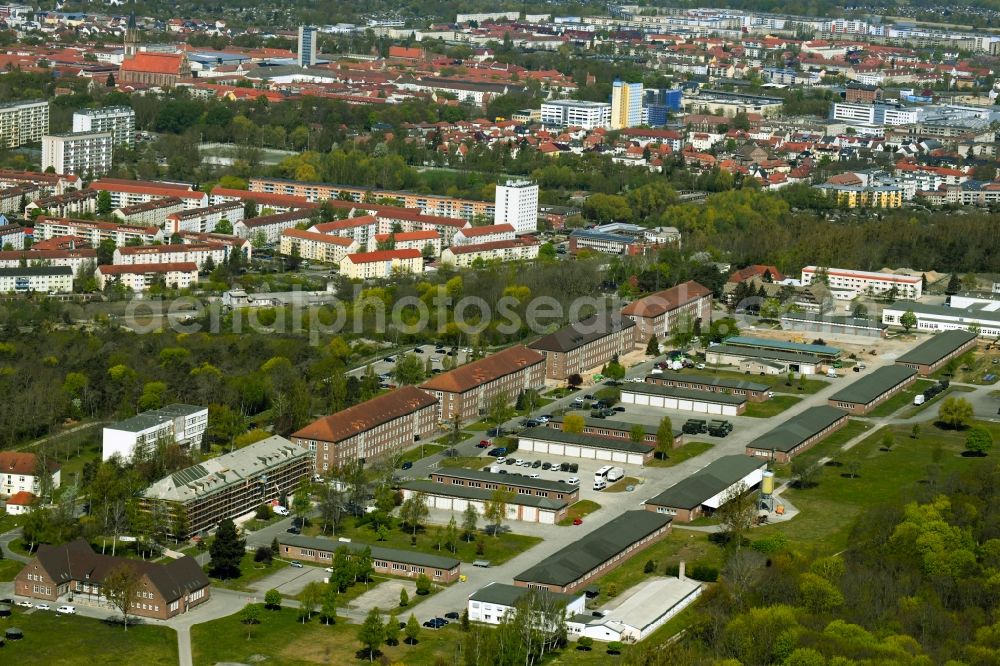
[(465, 492), (766, 354), (834, 320), (610, 424), (707, 482), (523, 481), (937, 347), (574, 336), (378, 552), (554, 435), (247, 465), (782, 345), (722, 382), (682, 393), (798, 429), (974, 313), (154, 417), (29, 271), (502, 594), (871, 386), (571, 563)]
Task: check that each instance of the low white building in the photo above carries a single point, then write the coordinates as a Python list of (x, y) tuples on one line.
[(197, 253), (984, 318), (490, 604), (576, 113), (847, 284), (19, 473), (684, 400), (178, 423), (638, 612), (479, 235)]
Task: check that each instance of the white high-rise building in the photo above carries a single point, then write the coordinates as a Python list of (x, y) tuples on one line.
[(307, 45), (626, 105), (576, 113), (517, 205), (23, 122), (83, 153), (119, 120)]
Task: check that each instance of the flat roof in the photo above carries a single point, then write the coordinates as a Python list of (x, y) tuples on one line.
[(782, 345), (30, 271), (480, 475), (937, 347), (155, 417), (871, 386), (502, 594), (682, 393), (769, 354), (707, 482), (378, 552), (650, 602), (583, 439), (722, 382), (452, 490), (798, 429), (576, 560), (835, 320)]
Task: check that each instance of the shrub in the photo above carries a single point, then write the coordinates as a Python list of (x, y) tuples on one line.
[(612, 590), (614, 647), (423, 585), (585, 643), (404, 598), (264, 512), (650, 567), (770, 545), (263, 554), (704, 572)]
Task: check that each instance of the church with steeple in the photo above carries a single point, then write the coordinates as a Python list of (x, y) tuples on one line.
[(149, 69)]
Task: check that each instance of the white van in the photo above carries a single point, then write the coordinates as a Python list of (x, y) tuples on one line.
[(280, 510), (918, 399), (832, 374)]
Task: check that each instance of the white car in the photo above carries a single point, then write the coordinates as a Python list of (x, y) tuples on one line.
[(519, 461), (280, 510), (534, 475), (328, 570), (700, 366), (66, 610), (25, 604), (42, 606), (543, 419), (501, 460), (573, 481), (526, 463)]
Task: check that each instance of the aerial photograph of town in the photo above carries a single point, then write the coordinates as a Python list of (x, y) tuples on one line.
[(471, 333)]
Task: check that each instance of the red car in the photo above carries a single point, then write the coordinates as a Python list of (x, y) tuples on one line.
[(578, 521), (484, 444)]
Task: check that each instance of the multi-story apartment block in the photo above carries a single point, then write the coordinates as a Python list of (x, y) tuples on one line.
[(73, 202), (847, 284), (177, 423), (268, 228), (657, 315), (12, 236), (410, 240), (50, 183), (585, 345), (386, 425), (203, 220), (875, 114), (19, 472), (519, 249), (314, 246), (73, 259), (14, 200), (626, 104), (140, 277), (576, 113), (864, 196), (38, 279), (466, 391), (361, 229), (409, 219), (118, 120), (479, 235), (151, 214), (197, 253), (23, 122), (94, 232), (308, 37), (132, 192), (232, 484), (381, 264), (517, 205), (85, 153)]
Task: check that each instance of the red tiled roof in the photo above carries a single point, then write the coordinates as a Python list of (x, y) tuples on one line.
[(407, 236), (285, 200), (155, 63), (755, 271), (483, 371), (315, 236), (185, 266), (667, 300), (367, 415), (474, 232), (349, 223), (17, 462), (382, 255), (21, 498)]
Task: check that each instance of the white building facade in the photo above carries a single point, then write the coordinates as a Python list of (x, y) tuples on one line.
[(85, 153), (517, 205)]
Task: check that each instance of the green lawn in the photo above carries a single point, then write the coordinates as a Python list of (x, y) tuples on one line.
[(772, 407), (250, 572), (579, 510), (445, 441), (829, 509), (916, 409), (497, 549), (54, 639), (621, 484), (829, 447), (418, 452), (469, 462), (901, 399), (972, 368), (681, 453), (480, 426), (9, 569)]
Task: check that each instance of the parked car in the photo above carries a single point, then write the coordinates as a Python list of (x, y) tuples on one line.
[(619, 408), (407, 465), (518, 461), (452, 615), (574, 468), (328, 570), (418, 350), (536, 464), (25, 604), (42, 606), (573, 481), (546, 465), (534, 475), (389, 359), (294, 530), (483, 444), (501, 460), (509, 461), (588, 397), (66, 610), (296, 564), (280, 510), (495, 432), (578, 521)]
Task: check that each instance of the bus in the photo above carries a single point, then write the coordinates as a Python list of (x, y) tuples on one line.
[(601, 477)]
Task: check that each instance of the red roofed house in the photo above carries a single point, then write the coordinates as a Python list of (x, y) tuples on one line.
[(18, 473), (657, 315), (405, 53), (19, 503), (479, 235), (381, 264), (154, 69), (411, 240), (314, 246)]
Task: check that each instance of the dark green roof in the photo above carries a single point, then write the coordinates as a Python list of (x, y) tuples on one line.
[(611, 424), (508, 595), (937, 347), (782, 345), (452, 490), (707, 482), (721, 382), (872, 385), (798, 429), (29, 271), (769, 354), (585, 331), (378, 552), (581, 439), (685, 394), (506, 479), (834, 320), (576, 560)]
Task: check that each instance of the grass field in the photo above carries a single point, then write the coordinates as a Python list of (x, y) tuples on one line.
[(60, 640), (935, 402), (579, 510), (9, 569), (622, 484), (446, 440), (777, 383), (973, 367), (829, 509), (416, 453), (829, 447), (772, 407), (250, 572), (680, 454), (468, 462), (901, 399)]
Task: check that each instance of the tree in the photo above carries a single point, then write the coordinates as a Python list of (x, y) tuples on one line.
[(227, 551), (301, 505), (637, 434), (470, 519), (805, 471), (263, 554), (423, 585), (371, 633), (653, 347), (853, 467), (310, 597), (665, 437), (574, 423), (414, 511), (392, 631), (104, 204), (495, 508), (737, 513), (272, 600), (574, 381), (955, 412), (120, 587), (404, 598), (614, 370), (412, 630), (979, 441), (250, 615), (908, 320), (223, 226), (498, 409), (408, 370), (954, 285), (585, 643), (915, 431), (451, 534), (328, 609)]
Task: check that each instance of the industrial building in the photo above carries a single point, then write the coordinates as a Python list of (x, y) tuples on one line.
[(932, 354), (685, 400), (833, 324), (865, 394), (798, 433), (550, 441), (983, 315), (707, 489), (638, 612)]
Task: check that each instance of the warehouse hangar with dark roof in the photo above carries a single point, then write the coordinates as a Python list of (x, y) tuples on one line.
[(798, 433)]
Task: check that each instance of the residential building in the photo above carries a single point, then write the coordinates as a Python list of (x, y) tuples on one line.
[(267, 229), (670, 397), (51, 183), (381, 264), (23, 122), (428, 242), (864, 196), (231, 485), (933, 353), (491, 604), (266, 203), (308, 38), (313, 246), (385, 561), (74, 259), (14, 200), (141, 276), (586, 345), (84, 153), (19, 504), (12, 235), (551, 441), (118, 120), (466, 391), (798, 434), (847, 284), (78, 202), (478, 235), (19, 472), (865, 394), (597, 552), (386, 425), (576, 113), (657, 315), (875, 114), (626, 104), (126, 192), (93, 232), (707, 489), (178, 423), (37, 279), (517, 205), (74, 571), (203, 220), (151, 214), (200, 254), (752, 391), (362, 230), (524, 248)]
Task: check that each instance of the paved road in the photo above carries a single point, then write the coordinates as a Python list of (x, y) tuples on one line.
[(5, 540)]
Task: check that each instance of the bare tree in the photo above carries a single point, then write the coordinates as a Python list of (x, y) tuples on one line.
[(742, 570), (120, 586), (736, 513)]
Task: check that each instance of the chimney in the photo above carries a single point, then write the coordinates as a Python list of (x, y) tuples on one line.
[(680, 571)]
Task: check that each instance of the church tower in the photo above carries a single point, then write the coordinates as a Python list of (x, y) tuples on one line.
[(131, 36)]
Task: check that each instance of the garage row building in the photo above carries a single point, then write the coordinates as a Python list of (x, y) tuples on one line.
[(753, 391), (386, 561), (610, 429), (707, 489), (932, 354), (685, 400), (553, 442), (798, 433), (870, 391)]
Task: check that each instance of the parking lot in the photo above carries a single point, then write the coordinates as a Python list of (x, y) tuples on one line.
[(290, 580), (385, 368)]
